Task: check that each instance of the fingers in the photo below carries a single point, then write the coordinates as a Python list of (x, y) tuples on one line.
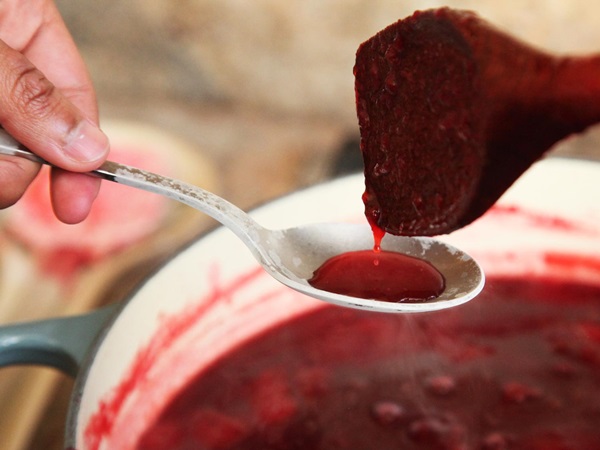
[(15, 175), (68, 207), (47, 102), (51, 49), (43, 119)]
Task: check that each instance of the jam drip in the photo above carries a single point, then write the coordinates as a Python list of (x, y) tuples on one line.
[(379, 275)]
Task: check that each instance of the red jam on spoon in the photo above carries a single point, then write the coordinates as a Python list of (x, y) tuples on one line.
[(380, 275)]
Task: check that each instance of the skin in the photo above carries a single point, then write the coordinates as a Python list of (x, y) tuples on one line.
[(48, 103)]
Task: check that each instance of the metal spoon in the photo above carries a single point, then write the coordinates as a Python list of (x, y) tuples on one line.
[(292, 255)]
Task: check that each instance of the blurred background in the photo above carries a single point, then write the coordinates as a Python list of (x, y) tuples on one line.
[(266, 87), (249, 99)]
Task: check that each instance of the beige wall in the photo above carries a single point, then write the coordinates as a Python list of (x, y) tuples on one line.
[(288, 56)]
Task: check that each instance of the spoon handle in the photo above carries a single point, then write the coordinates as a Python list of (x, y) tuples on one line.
[(218, 208)]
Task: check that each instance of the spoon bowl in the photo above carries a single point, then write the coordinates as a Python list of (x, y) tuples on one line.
[(298, 252), (292, 255)]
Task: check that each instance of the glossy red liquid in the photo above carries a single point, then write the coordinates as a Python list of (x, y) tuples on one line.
[(518, 370), (379, 275)]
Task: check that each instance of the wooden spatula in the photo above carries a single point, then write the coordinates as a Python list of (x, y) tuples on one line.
[(452, 111)]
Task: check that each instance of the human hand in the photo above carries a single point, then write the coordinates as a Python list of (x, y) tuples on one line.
[(48, 103)]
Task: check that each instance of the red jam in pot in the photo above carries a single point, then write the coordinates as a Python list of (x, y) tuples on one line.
[(518, 369)]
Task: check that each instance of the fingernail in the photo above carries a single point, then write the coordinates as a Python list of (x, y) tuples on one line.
[(87, 143)]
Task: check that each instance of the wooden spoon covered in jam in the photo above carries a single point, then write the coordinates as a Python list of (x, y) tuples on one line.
[(452, 111)]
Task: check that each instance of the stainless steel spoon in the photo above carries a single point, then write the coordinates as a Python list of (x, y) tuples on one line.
[(292, 255)]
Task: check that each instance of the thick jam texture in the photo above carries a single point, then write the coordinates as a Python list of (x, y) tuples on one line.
[(518, 369), (379, 275)]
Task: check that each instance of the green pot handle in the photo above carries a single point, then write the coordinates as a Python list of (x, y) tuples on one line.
[(61, 343)]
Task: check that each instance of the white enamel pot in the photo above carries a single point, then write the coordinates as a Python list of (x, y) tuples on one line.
[(132, 357)]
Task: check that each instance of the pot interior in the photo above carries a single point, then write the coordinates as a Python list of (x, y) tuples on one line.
[(211, 352)]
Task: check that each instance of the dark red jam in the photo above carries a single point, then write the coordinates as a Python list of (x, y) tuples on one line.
[(379, 275), (518, 369)]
